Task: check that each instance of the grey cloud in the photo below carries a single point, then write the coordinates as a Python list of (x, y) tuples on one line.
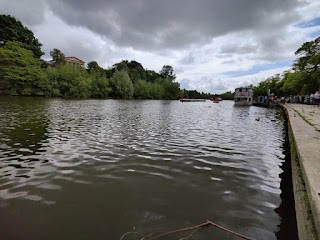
[(188, 59), (229, 62), (30, 12), (189, 35), (153, 24), (239, 48)]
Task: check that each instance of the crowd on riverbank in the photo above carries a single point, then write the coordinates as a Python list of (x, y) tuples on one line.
[(310, 99)]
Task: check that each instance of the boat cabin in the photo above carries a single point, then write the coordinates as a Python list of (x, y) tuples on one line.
[(243, 96)]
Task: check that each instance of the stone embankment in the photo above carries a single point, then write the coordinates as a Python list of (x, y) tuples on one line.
[(304, 134)]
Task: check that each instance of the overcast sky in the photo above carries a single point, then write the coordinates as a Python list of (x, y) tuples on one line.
[(213, 45)]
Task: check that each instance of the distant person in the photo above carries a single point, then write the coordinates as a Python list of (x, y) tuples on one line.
[(307, 99), (316, 98), (311, 98), (288, 100)]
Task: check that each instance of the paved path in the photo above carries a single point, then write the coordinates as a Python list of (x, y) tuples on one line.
[(310, 112), (305, 124)]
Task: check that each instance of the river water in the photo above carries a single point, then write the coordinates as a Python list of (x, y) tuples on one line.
[(112, 169)]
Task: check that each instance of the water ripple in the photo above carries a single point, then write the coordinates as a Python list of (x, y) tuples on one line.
[(197, 160)]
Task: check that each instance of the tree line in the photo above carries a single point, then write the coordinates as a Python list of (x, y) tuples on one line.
[(303, 77), (23, 72)]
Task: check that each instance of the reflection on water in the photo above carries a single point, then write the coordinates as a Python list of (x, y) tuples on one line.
[(96, 169)]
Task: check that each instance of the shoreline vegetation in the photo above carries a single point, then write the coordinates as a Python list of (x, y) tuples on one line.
[(24, 73), (302, 79)]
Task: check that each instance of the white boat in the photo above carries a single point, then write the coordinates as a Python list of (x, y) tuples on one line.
[(243, 96)]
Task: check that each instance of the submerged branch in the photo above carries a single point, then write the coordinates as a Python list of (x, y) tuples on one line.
[(195, 228)]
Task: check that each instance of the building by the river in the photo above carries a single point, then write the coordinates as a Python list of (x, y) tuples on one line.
[(70, 60)]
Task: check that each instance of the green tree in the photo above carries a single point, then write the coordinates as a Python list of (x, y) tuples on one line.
[(136, 71), (20, 71), (142, 90), (151, 75), (123, 65), (167, 72), (68, 80), (12, 29), (193, 94), (157, 91), (109, 72), (296, 83), (171, 89), (303, 78), (309, 58), (93, 67), (227, 95), (100, 87), (121, 85), (270, 83), (57, 56)]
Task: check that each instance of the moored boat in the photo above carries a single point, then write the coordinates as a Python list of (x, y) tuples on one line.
[(243, 96), (192, 100)]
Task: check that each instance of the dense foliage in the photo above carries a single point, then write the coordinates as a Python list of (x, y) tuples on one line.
[(57, 56), (20, 71), (67, 80), (193, 94), (227, 95), (167, 72), (21, 74), (121, 84), (12, 30), (303, 78)]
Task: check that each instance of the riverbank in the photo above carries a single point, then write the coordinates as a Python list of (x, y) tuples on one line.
[(304, 134)]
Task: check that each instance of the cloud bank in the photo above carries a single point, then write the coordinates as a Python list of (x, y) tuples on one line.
[(203, 40)]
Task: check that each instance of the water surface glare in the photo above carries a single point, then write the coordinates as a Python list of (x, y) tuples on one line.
[(97, 169)]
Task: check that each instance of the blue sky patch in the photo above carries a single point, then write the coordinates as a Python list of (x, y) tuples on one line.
[(311, 23), (314, 34), (259, 68)]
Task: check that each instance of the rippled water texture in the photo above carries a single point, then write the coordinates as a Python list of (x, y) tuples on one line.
[(96, 169)]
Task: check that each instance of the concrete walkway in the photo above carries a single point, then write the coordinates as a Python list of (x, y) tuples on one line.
[(305, 124)]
